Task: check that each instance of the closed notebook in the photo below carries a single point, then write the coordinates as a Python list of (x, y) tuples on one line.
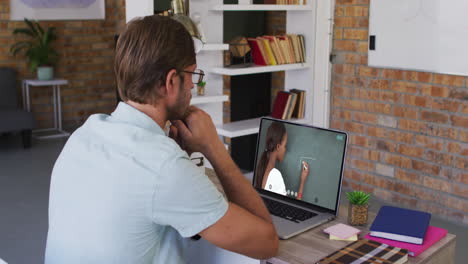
[(433, 235), (400, 224), (366, 251)]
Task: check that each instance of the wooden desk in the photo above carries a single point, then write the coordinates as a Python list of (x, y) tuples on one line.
[(313, 245)]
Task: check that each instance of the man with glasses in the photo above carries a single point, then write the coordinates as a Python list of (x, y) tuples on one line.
[(122, 191)]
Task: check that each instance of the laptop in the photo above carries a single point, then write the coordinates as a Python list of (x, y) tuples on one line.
[(298, 172)]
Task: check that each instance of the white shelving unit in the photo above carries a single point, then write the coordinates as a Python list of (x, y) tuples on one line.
[(208, 98), (262, 8), (259, 69), (310, 21), (214, 47), (245, 127)]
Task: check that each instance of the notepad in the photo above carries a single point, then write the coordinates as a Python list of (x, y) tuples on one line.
[(342, 231), (351, 238)]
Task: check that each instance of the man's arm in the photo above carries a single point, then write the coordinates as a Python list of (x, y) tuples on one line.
[(246, 228)]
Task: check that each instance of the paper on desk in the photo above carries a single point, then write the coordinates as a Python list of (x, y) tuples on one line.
[(351, 238), (342, 231)]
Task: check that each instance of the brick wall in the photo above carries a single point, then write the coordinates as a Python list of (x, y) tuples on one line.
[(408, 130), (86, 60)]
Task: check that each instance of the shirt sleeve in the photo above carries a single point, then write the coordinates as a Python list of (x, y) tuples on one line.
[(185, 198)]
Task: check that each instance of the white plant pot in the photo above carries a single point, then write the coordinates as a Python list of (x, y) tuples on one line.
[(45, 73)]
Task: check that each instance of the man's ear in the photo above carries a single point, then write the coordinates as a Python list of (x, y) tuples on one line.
[(170, 84)]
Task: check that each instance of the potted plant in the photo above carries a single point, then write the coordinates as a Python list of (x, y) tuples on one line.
[(358, 207), (201, 88), (41, 55)]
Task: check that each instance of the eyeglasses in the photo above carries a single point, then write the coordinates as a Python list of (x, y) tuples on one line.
[(197, 75)]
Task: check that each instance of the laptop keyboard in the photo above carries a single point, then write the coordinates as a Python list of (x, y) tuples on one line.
[(286, 211)]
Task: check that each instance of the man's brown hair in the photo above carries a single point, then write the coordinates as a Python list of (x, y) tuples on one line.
[(146, 51)]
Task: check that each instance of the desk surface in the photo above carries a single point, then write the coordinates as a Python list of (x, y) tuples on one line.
[(312, 245)]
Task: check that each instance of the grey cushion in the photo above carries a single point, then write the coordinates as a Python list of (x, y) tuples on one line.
[(15, 120), (8, 88), (12, 117)]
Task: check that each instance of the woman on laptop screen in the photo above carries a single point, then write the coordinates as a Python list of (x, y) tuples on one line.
[(267, 176)]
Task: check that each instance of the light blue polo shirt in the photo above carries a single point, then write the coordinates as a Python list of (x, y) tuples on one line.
[(123, 192)]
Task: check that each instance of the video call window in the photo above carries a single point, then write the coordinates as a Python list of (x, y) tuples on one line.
[(300, 162)]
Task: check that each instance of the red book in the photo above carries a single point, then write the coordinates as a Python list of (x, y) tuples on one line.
[(280, 104), (257, 56), (433, 234)]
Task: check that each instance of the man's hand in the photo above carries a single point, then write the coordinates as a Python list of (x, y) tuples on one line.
[(196, 133)]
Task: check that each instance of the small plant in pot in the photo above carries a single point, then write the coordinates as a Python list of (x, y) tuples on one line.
[(201, 88), (37, 48), (358, 207)]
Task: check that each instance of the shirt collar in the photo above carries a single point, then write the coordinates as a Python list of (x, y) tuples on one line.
[(129, 114)]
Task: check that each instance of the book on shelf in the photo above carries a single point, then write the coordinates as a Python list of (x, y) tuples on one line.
[(433, 235), (367, 251), (274, 50), (298, 111), (280, 104), (268, 50), (257, 54), (291, 105), (400, 224)]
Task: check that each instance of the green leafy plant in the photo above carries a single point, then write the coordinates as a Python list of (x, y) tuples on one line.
[(38, 48), (358, 197), (201, 84)]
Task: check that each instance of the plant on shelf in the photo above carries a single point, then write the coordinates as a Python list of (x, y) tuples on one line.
[(38, 49), (358, 207), (201, 88)]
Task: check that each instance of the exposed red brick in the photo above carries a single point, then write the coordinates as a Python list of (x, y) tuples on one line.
[(437, 91), (393, 74), (425, 167), (405, 112), (459, 121), (449, 80), (343, 68), (369, 71), (364, 117), (408, 176), (445, 105), (357, 11), (354, 127), (413, 151), (429, 142), (404, 87), (460, 190), (436, 184), (435, 117), (346, 45)]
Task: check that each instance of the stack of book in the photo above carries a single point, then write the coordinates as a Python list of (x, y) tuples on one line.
[(275, 50), (342, 232), (366, 251), (289, 105), (405, 228)]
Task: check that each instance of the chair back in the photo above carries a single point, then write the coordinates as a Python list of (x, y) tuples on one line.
[(8, 95)]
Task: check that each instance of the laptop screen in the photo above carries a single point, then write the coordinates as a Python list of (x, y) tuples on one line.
[(300, 162)]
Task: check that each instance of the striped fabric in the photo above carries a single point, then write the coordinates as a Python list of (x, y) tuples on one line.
[(367, 252)]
